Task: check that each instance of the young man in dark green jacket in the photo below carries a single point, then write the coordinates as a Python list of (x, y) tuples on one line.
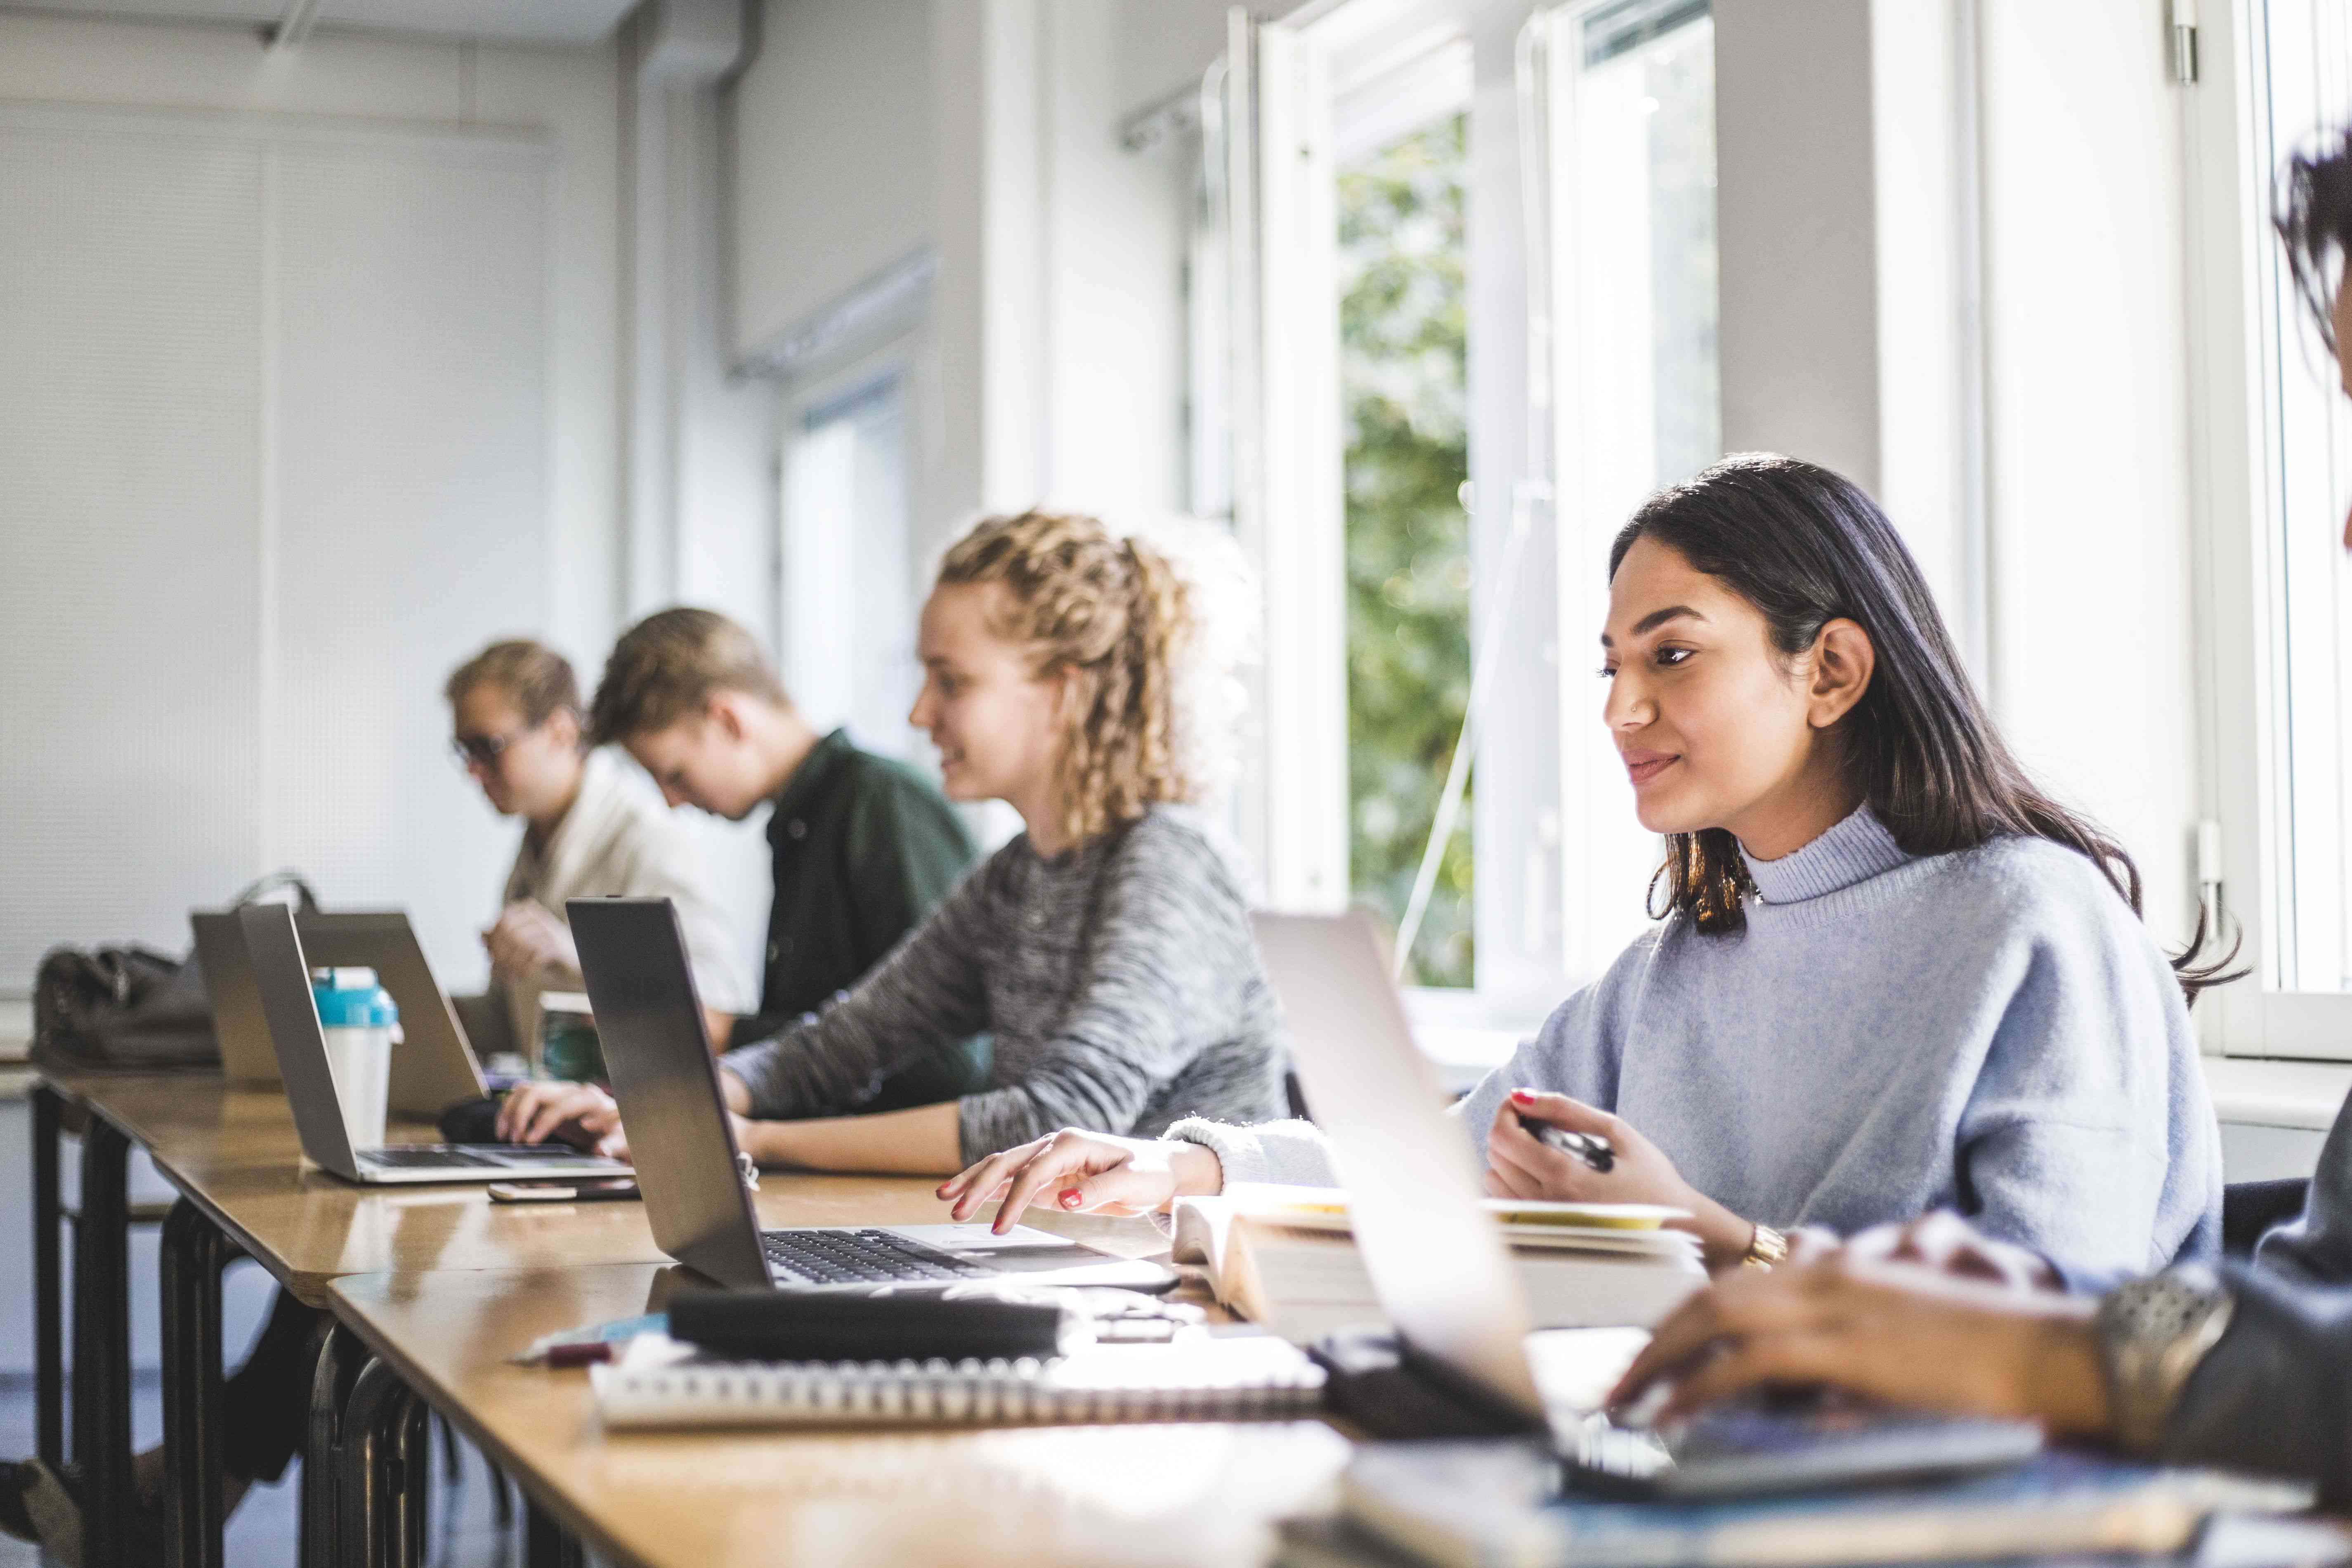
[(863, 847)]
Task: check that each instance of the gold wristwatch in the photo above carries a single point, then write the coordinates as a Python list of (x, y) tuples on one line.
[(1765, 1248)]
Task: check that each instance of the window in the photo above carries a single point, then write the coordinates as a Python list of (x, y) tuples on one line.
[(1434, 214), (1405, 387), (847, 631), (2305, 62), (1638, 407), (2276, 462)]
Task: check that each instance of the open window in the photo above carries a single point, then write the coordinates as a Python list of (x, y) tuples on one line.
[(1469, 300), (2275, 469)]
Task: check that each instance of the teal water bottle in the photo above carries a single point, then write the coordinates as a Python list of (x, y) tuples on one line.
[(362, 1025)]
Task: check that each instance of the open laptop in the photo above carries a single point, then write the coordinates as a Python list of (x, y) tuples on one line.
[(281, 978), (433, 1069), (246, 1055), (1442, 1272), (695, 1181), (435, 1066)]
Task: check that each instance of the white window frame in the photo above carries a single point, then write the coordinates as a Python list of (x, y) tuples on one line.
[(2233, 331), (897, 359), (1278, 84), (1290, 511)]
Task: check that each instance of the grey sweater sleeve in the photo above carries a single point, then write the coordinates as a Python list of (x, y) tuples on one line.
[(1168, 952), (2271, 1393), (925, 995), (1292, 1152), (2065, 1143)]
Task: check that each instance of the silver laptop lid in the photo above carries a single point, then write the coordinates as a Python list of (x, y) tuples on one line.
[(283, 980), (657, 1052), (246, 1056), (435, 1066), (1437, 1263)]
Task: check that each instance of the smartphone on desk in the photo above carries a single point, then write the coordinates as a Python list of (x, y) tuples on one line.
[(605, 1190)]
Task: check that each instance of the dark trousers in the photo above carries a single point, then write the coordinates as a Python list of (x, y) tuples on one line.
[(266, 1404)]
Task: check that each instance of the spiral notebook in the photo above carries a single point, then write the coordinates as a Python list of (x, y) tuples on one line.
[(1196, 1377)]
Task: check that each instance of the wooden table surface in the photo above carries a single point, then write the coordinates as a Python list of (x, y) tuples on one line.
[(444, 1285), (235, 1154), (1203, 1494)]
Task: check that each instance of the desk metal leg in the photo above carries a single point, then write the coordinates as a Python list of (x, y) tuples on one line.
[(545, 1543), (195, 1251), (48, 1322), (101, 1360), (386, 1473), (336, 1362)]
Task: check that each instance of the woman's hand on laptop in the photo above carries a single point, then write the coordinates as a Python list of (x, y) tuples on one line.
[(1892, 1331), (536, 1111), (1074, 1170), (1520, 1165)]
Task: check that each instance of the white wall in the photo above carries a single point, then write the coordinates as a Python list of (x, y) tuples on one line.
[(544, 554), (836, 150), (569, 94), (1794, 220)]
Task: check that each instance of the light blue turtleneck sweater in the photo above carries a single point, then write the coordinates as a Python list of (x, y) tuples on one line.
[(1991, 1031)]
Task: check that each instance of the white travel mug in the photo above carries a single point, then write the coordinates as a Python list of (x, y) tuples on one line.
[(362, 1025)]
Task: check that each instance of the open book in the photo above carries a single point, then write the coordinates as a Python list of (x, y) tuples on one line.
[(1283, 1258)]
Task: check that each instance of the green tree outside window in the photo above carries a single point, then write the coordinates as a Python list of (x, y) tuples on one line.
[(1403, 320)]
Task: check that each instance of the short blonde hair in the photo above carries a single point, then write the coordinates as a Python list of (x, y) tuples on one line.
[(538, 679), (1121, 617), (669, 665)]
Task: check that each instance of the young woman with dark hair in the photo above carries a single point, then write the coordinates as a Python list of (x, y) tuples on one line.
[(1891, 974), (2245, 1367)]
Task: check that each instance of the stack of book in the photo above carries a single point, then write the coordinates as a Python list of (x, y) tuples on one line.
[(1285, 1258)]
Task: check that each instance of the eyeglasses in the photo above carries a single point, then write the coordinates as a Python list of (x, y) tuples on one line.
[(484, 751)]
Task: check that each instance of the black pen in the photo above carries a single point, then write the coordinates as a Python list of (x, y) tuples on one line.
[(1590, 1147)]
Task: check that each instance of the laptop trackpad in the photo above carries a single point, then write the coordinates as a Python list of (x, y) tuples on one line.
[(1020, 1250)]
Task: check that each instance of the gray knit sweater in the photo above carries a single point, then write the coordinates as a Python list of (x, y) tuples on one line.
[(1119, 979), (1990, 1031)]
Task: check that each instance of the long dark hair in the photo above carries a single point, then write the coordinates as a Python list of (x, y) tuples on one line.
[(2313, 214), (1807, 546)]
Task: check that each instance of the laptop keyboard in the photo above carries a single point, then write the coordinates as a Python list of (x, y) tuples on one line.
[(861, 1258), (447, 1156), (424, 1158), (1604, 1451)]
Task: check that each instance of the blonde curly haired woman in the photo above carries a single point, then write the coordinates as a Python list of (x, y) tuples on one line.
[(1079, 677)]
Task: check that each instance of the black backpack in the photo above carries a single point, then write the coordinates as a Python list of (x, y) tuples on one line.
[(129, 1009)]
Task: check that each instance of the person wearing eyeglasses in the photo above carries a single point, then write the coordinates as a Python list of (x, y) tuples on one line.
[(515, 729)]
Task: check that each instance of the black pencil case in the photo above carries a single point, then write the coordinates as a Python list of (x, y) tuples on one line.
[(851, 1325)]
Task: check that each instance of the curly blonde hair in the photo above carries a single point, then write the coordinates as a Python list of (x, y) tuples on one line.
[(1121, 617)]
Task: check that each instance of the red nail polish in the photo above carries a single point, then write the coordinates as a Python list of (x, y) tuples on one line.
[(1072, 1197), (1523, 1097)]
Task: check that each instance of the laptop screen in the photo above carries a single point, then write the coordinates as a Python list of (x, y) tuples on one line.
[(1437, 1263), (283, 979), (649, 1021)]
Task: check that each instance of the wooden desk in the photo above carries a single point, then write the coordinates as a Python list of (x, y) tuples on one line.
[(1173, 1494), (234, 1155)]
